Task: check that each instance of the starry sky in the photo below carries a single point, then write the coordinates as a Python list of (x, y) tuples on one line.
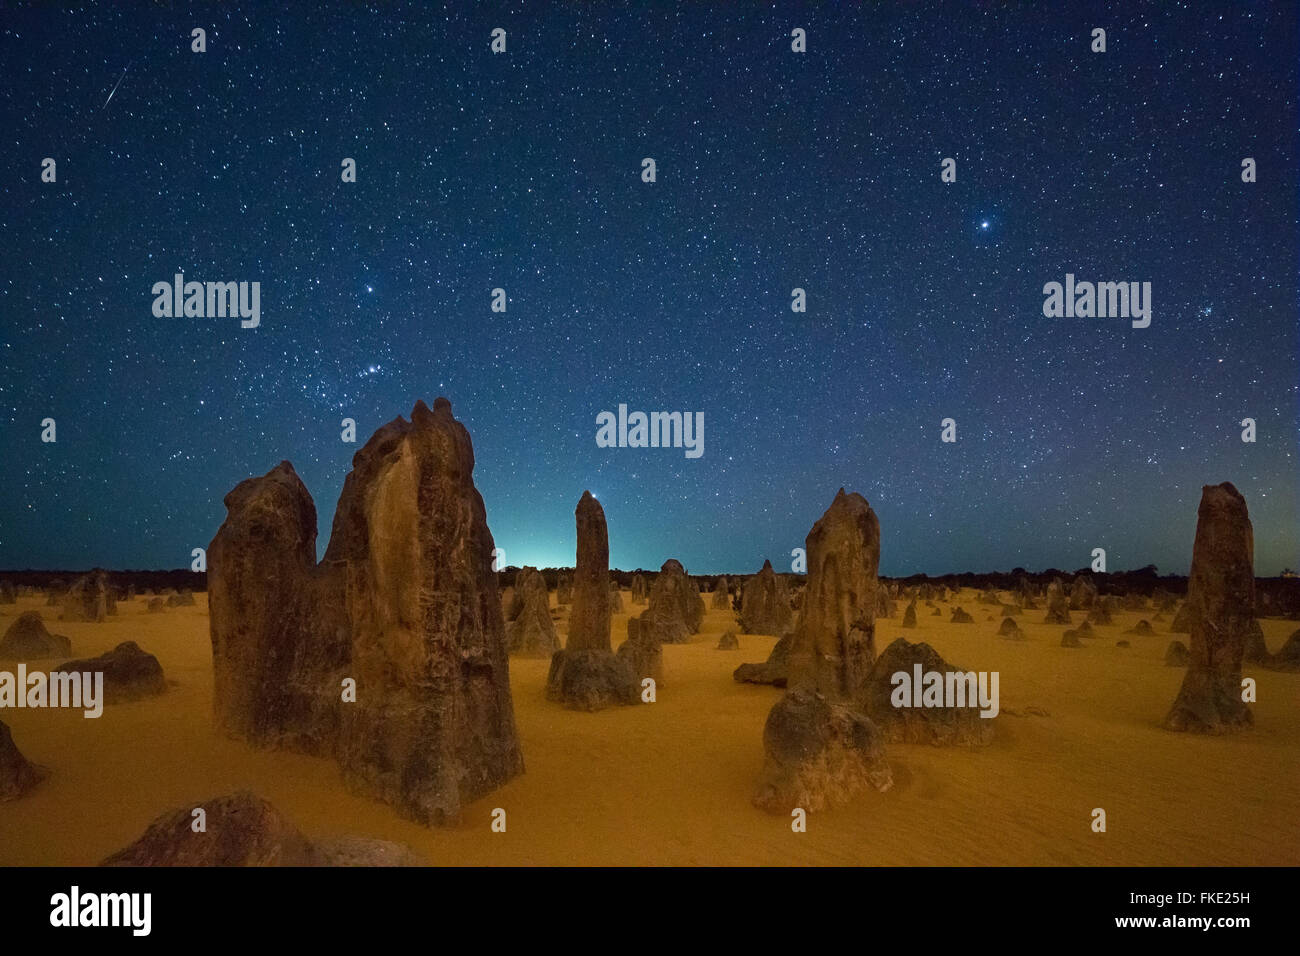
[(775, 170)]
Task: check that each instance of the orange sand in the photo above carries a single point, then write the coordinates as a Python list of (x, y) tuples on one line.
[(669, 783)]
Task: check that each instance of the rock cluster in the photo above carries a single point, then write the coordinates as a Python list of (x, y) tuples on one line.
[(403, 611)]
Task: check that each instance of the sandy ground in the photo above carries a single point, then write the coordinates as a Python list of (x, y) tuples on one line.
[(669, 783)]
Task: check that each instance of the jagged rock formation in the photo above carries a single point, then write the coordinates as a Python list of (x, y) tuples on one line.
[(819, 748), (1142, 629), (1082, 593), (639, 590), (1254, 649), (184, 598), (1288, 657), (1011, 630), (564, 590), (1101, 611), (404, 604), (676, 610), (130, 673), (1221, 592), (1182, 623), (909, 614), (960, 617), (1071, 639), (1058, 609), (242, 829), (18, 775), (721, 595), (27, 640), (643, 652), (587, 675), (884, 602), (1177, 655), (156, 605), (958, 724), (775, 670), (729, 642), (89, 599), (765, 603), (531, 632)]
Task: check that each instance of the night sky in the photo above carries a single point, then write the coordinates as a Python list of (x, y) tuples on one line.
[(775, 170)]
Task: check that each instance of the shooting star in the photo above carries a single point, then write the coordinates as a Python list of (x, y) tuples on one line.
[(116, 85)]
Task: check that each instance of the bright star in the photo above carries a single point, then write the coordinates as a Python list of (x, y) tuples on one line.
[(984, 224)]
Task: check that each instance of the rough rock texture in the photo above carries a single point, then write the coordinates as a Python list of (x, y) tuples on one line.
[(156, 606), (564, 590), (1288, 658), (1182, 623), (765, 603), (1058, 609), (1100, 613), (909, 614), (242, 829), (1254, 649), (531, 632), (17, 774), (820, 749), (817, 754), (676, 610), (643, 652), (28, 640), (1177, 655), (721, 595), (1082, 593), (184, 598), (639, 589), (404, 603), (1221, 591), (960, 617), (89, 599), (591, 680), (884, 603), (1071, 639), (129, 673), (587, 675), (834, 640), (921, 725), (775, 670), (1142, 629), (729, 642), (1011, 630)]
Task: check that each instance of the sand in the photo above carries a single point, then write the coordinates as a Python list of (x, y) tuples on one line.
[(669, 783)]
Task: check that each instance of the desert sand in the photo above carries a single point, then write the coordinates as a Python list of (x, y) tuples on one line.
[(670, 783)]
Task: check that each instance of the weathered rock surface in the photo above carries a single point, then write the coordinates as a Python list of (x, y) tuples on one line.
[(765, 603), (1221, 592), (531, 632), (130, 673), (89, 599), (958, 724), (404, 603), (721, 595), (587, 675), (909, 614), (18, 775), (729, 642), (639, 589), (1058, 609), (1082, 593), (1176, 655), (242, 829), (960, 617), (156, 605), (27, 640), (818, 753), (775, 670)]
